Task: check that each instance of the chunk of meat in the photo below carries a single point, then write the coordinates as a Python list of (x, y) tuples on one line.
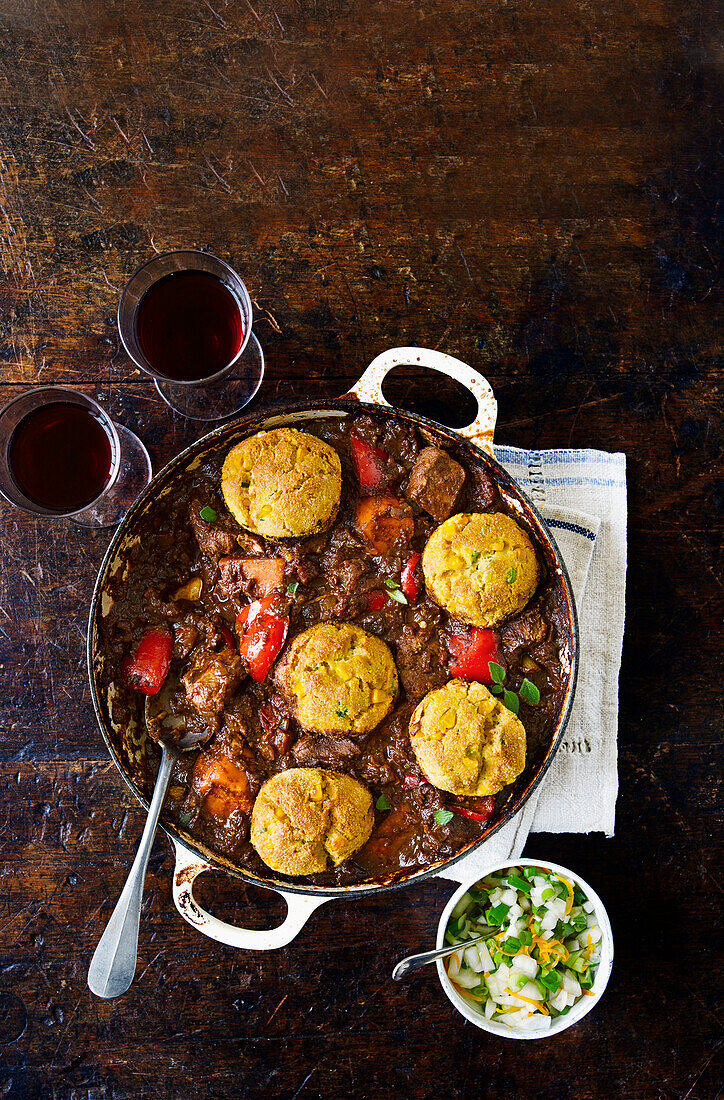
[(420, 661), (275, 738), (385, 522), (254, 577), (217, 537), (329, 752), (525, 632), (185, 635), (212, 679), (482, 490), (435, 482)]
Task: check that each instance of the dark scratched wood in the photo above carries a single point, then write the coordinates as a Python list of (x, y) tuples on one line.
[(528, 186)]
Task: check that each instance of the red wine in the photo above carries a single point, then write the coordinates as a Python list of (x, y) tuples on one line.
[(189, 326), (60, 456)]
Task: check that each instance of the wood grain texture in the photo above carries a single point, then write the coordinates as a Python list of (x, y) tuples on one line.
[(529, 187)]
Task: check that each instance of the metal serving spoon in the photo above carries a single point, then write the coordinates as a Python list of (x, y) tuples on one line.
[(414, 962), (113, 965)]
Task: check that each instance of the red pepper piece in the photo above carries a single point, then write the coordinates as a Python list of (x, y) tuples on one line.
[(261, 644), (247, 614), (369, 462), (147, 669), (408, 580), (471, 653), (412, 781), (376, 601), (227, 636), (264, 633), (483, 811)]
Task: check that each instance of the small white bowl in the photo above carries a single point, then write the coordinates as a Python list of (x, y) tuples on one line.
[(582, 1006)]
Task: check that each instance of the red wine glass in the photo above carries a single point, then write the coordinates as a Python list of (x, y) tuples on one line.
[(185, 318), (61, 456)]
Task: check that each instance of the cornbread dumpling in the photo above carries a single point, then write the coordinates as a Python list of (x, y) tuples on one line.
[(338, 679), (282, 483), (306, 818), (481, 567), (466, 742)]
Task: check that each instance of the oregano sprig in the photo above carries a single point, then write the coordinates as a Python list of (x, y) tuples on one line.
[(527, 691)]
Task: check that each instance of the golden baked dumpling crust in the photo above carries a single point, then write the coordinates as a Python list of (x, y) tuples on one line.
[(466, 742), (282, 483), (305, 819), (481, 567), (338, 678)]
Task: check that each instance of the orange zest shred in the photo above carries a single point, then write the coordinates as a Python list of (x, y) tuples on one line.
[(587, 992), (569, 888), (536, 1004), (465, 992)]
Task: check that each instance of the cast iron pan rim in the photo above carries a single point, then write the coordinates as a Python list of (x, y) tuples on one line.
[(341, 404)]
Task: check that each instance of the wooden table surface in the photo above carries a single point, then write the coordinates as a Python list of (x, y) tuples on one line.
[(530, 187)]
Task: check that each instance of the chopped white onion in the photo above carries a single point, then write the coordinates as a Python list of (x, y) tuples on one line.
[(525, 965)]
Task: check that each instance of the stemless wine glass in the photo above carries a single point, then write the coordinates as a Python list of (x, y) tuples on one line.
[(195, 393), (62, 456)]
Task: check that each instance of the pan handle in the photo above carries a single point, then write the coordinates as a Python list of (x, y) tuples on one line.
[(480, 431), (299, 909)]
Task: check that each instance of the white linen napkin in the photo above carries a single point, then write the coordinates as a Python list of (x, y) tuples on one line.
[(582, 496)]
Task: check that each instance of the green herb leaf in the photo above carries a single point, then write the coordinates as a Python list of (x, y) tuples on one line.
[(382, 803), (443, 816), (397, 595), (292, 588), (529, 692), (496, 689), (551, 980), (497, 672), (498, 913), (207, 514), (519, 883), (475, 557), (184, 818), (342, 711), (511, 575), (510, 700)]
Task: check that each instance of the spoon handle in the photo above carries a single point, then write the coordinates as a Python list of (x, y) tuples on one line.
[(414, 962), (114, 962)]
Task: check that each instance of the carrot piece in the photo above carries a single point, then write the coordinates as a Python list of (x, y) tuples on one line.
[(222, 784), (385, 521), (267, 572)]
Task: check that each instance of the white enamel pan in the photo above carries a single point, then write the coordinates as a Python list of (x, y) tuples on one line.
[(127, 743)]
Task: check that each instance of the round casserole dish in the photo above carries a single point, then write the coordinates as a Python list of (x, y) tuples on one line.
[(127, 745)]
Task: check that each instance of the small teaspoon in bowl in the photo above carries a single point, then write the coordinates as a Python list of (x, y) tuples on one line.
[(113, 965), (414, 962)]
